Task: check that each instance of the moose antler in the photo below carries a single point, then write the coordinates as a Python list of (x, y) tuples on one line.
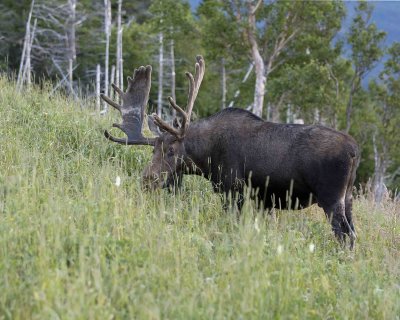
[(134, 101), (194, 86)]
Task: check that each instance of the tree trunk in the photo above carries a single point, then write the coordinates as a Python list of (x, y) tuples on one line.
[(98, 73), (259, 65), (107, 26), (379, 189), (71, 42), (112, 80), (349, 108), (27, 41), (27, 70), (173, 75), (121, 64), (237, 92), (70, 75), (259, 90), (118, 72), (223, 83), (160, 73)]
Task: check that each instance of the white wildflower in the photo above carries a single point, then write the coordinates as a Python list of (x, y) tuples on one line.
[(308, 51), (378, 290), (279, 249), (256, 225), (311, 247), (118, 181)]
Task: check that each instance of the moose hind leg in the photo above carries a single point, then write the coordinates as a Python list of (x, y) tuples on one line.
[(349, 203), (340, 225), (349, 214), (349, 219)]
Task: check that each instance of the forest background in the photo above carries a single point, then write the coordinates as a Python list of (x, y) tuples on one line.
[(323, 62)]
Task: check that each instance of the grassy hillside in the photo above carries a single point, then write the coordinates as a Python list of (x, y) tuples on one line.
[(74, 245)]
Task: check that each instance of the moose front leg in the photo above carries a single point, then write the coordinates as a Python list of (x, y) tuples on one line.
[(174, 182), (234, 194)]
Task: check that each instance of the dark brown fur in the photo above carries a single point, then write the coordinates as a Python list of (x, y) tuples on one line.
[(234, 148), (285, 165)]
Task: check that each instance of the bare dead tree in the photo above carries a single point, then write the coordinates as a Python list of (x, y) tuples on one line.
[(26, 58), (112, 80), (98, 84), (160, 73), (379, 188), (173, 73), (56, 39), (107, 31), (71, 41), (223, 83), (119, 63), (27, 73)]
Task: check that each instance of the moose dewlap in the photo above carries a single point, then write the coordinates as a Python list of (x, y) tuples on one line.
[(235, 148)]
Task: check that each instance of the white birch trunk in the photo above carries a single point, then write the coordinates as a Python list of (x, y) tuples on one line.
[(27, 41), (289, 118), (379, 188), (259, 90), (112, 80), (27, 70), (119, 73), (98, 73), (259, 65), (160, 73), (107, 26), (173, 74), (118, 57), (71, 43), (223, 83), (121, 65), (70, 74), (22, 63)]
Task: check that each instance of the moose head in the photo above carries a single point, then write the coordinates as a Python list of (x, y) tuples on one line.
[(169, 155)]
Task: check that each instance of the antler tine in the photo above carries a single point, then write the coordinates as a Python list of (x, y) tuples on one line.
[(176, 107), (110, 102), (165, 126), (194, 86), (117, 89), (134, 101)]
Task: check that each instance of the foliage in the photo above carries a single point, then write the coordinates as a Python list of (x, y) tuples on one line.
[(73, 244), (366, 42), (387, 112)]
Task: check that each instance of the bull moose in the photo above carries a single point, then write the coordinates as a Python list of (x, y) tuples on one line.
[(286, 165)]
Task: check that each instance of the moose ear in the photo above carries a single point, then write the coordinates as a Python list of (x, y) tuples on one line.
[(177, 123), (152, 126)]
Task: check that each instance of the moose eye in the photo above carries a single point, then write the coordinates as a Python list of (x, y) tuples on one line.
[(170, 152)]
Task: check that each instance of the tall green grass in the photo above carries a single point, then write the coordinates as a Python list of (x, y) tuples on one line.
[(74, 245)]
